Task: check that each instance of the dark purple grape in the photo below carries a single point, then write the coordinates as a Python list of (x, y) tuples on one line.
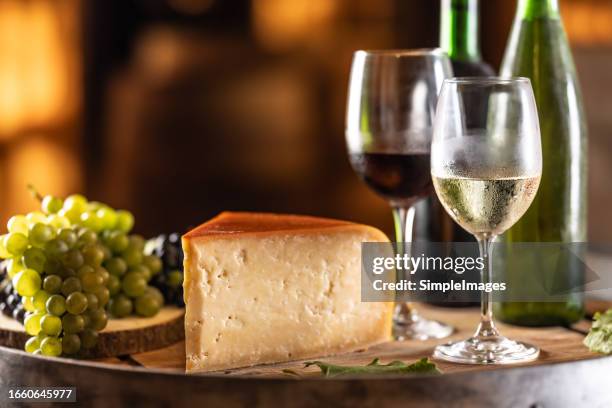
[(168, 248), (13, 300), (19, 313), (5, 309)]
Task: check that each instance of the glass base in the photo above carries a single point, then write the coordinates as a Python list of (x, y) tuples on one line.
[(416, 327), (488, 350)]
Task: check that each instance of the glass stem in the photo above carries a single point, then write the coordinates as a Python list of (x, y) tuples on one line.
[(403, 218), (486, 328)]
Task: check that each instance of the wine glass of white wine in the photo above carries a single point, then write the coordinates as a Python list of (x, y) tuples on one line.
[(486, 163)]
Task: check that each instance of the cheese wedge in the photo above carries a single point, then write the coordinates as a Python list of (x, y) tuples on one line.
[(266, 288)]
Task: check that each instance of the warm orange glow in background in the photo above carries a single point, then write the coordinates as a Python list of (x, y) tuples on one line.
[(588, 22), (253, 92), (40, 96)]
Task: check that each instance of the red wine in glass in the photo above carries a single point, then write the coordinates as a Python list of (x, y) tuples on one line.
[(402, 178)]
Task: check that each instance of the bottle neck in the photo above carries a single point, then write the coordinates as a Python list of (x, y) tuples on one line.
[(530, 9), (459, 29)]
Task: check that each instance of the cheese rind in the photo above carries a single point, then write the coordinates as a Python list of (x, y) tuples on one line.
[(277, 294)]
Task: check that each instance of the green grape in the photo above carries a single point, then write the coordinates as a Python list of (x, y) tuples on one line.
[(58, 221), (125, 221), (103, 295), (52, 284), (73, 259), (18, 223), (40, 300), (92, 302), (51, 325), (35, 217), (75, 202), (95, 205), (34, 258), (40, 234), (27, 282), (32, 323), (71, 285), (134, 284), (108, 217), (85, 320), (98, 319), (91, 282), (28, 303), (147, 305), (16, 243), (120, 306), (136, 241), (51, 346), (56, 305), (71, 344), (76, 303), (37, 352), (4, 253), (32, 344), (108, 254), (104, 236), (93, 255), (68, 236), (113, 285), (51, 205), (174, 279), (13, 267), (53, 266), (73, 216), (103, 273), (118, 242), (156, 293), (89, 338), (153, 263), (84, 270), (66, 273), (143, 270), (132, 256), (86, 237), (116, 266), (73, 323), (92, 221), (56, 248)]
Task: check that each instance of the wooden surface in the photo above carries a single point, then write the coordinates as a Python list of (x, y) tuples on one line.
[(557, 344), (120, 337), (567, 375)]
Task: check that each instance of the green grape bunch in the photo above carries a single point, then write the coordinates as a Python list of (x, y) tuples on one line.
[(74, 264)]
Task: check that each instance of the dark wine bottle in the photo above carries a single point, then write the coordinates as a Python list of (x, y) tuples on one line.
[(538, 49), (459, 38)]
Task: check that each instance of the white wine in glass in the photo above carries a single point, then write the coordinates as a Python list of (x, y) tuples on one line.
[(486, 164)]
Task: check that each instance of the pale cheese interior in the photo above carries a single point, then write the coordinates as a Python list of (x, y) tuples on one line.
[(253, 299)]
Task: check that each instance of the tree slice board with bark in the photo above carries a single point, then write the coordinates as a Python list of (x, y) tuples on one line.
[(125, 336)]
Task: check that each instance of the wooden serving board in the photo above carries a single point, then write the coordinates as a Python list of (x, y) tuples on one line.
[(557, 345), (566, 374), (120, 337)]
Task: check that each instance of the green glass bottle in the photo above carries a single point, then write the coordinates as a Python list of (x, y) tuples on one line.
[(538, 49), (459, 38)]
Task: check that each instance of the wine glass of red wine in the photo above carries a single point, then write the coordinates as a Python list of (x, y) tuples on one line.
[(390, 111)]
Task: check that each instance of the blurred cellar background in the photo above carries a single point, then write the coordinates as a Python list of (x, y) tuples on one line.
[(178, 109)]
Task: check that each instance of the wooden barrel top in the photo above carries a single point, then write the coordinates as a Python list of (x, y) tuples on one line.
[(566, 374)]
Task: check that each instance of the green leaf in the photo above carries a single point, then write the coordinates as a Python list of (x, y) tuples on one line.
[(423, 366), (599, 338)]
